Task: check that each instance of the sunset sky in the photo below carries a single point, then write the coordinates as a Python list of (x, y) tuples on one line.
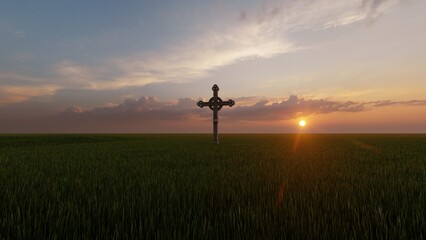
[(353, 66)]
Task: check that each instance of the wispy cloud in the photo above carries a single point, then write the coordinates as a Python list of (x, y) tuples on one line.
[(261, 32), (386, 103), (317, 14), (14, 94), (21, 87)]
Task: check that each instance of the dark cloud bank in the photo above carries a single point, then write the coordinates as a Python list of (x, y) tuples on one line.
[(148, 114), (148, 109)]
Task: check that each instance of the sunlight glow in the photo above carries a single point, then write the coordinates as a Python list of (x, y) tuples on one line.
[(302, 123)]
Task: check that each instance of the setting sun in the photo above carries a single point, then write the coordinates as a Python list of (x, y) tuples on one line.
[(302, 123)]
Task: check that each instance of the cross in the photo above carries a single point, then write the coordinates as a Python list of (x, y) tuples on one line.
[(215, 104)]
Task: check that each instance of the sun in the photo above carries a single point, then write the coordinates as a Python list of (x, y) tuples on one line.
[(302, 123)]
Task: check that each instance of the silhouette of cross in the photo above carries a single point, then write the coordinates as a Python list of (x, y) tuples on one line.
[(215, 104)]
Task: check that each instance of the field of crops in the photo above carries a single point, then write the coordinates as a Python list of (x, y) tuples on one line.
[(183, 186)]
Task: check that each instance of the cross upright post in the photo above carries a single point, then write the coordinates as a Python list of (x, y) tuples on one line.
[(215, 104)]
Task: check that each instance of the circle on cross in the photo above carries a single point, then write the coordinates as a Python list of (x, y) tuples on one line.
[(216, 103)]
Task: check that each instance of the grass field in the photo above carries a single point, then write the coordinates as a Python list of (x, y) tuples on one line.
[(183, 186)]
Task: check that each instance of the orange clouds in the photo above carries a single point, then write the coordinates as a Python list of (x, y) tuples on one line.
[(148, 114), (391, 118), (13, 94)]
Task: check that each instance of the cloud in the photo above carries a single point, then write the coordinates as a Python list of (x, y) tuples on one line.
[(198, 56), (260, 32), (386, 103), (314, 14), (19, 87), (73, 75), (13, 94), (372, 7), (73, 110), (144, 109), (147, 109), (292, 108), (148, 114)]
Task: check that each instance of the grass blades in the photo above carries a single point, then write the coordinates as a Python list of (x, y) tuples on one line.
[(183, 186)]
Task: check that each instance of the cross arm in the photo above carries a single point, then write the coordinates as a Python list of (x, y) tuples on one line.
[(230, 103), (204, 104)]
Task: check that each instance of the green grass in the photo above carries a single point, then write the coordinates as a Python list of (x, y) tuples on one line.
[(183, 186)]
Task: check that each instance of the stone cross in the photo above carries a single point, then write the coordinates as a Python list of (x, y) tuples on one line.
[(215, 104)]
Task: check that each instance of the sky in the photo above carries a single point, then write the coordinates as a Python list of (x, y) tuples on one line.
[(353, 66)]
